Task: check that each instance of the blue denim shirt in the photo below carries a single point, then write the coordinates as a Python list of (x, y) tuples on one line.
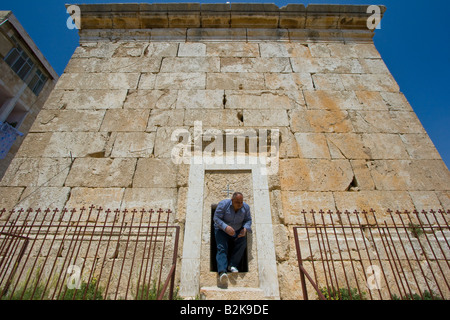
[(226, 216)]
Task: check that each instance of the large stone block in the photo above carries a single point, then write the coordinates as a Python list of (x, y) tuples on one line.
[(193, 80), (165, 118), (125, 120), (155, 173), (200, 99), (331, 100), (315, 175), (233, 49), (327, 65), (9, 197), (133, 144), (48, 172), (233, 64), (150, 198), (101, 172), (312, 146), (151, 99), (76, 144), (235, 81), (268, 99), (107, 198), (412, 175), (88, 99), (266, 118), (98, 81), (68, 120), (191, 64)]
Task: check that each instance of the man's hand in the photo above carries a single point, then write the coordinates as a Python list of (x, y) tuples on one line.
[(230, 231), (243, 233)]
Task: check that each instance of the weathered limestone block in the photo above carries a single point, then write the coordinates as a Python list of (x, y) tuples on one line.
[(35, 145), (315, 174), (49, 172), (331, 100), (326, 65), (98, 81), (76, 144), (328, 121), (130, 49), (303, 80), (44, 197), (88, 99), (155, 173), (192, 50), (370, 82), (347, 146), (133, 144), (164, 144), (125, 120), (233, 49), (9, 197), (426, 200), (190, 64), (165, 118), (363, 179), (372, 122), (413, 175), (233, 64), (280, 235), (312, 146), (262, 34), (366, 50), (213, 118), (371, 100), (288, 144), (280, 81), (150, 198), (103, 49), (384, 146), (294, 202), (323, 81), (235, 81), (396, 101), (374, 66), (151, 99), (101, 172), (342, 50), (266, 118), (420, 146), (255, 99), (114, 65), (406, 122), (68, 120), (200, 99), (380, 201), (161, 49), (193, 80), (107, 198)]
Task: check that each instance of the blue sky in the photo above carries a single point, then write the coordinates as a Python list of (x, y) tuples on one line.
[(414, 42)]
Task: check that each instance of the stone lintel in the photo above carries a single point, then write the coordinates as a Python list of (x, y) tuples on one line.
[(235, 15)]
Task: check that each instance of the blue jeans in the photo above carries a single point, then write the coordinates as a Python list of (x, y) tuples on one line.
[(223, 241)]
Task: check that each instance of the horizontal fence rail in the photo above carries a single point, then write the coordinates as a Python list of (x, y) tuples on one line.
[(367, 255), (87, 254)]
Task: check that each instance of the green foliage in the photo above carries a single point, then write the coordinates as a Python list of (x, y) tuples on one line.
[(342, 294), (426, 296), (92, 292), (146, 292), (415, 230)]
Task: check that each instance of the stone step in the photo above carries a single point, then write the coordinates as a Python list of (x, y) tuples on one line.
[(241, 279), (233, 293)]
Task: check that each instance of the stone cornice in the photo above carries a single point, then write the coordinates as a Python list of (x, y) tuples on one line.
[(235, 15)]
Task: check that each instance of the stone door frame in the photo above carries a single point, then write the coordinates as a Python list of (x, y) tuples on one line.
[(262, 223)]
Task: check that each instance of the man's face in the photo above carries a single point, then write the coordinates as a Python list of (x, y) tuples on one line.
[(237, 202)]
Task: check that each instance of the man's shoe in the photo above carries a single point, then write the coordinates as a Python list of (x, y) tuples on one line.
[(223, 278), (233, 269)]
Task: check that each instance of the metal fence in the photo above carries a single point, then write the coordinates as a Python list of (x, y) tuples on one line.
[(366, 255), (87, 254)]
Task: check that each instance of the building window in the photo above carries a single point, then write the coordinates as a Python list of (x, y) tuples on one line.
[(19, 61), (37, 82)]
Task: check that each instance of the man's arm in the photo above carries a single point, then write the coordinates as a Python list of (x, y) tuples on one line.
[(247, 223), (218, 219)]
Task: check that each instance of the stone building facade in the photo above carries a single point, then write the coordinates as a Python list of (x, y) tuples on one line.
[(152, 86), (26, 82)]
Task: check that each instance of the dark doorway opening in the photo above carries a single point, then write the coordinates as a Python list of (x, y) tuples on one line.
[(243, 265)]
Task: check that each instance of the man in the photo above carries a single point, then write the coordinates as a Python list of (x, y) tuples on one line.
[(232, 221)]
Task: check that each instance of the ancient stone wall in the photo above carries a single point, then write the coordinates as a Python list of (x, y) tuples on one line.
[(349, 139)]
